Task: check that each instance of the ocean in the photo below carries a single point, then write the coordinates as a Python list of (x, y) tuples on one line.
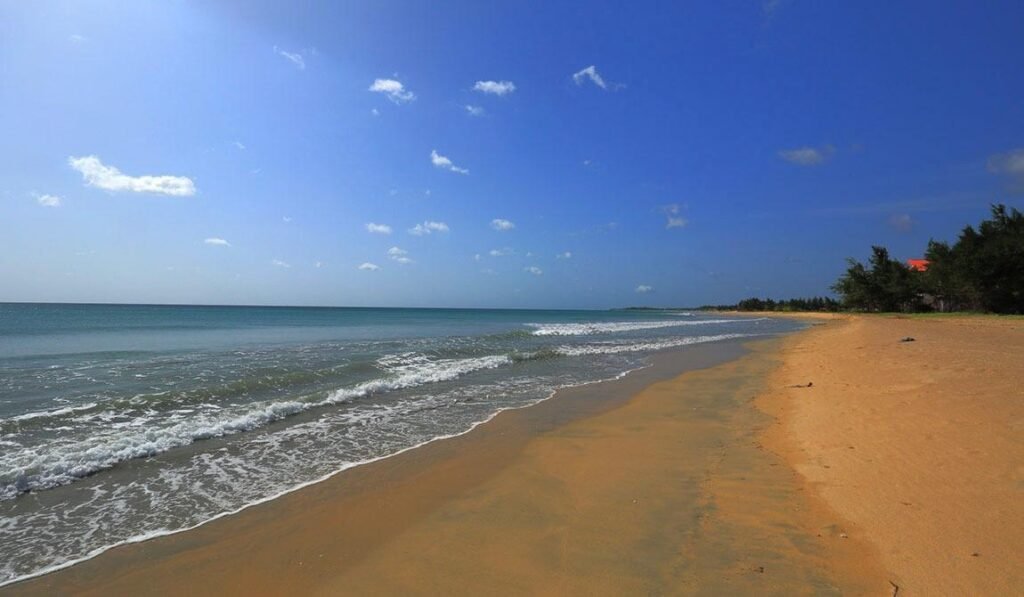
[(123, 422)]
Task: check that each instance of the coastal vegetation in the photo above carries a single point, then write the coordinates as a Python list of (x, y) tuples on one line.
[(982, 272)]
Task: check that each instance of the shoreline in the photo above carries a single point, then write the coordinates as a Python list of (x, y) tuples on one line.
[(834, 460), (663, 364), (168, 533)]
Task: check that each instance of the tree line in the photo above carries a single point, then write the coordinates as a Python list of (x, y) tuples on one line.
[(817, 303), (982, 271)]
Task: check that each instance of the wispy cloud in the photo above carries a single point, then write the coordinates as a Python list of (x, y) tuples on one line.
[(47, 200), (503, 252), (475, 110), (932, 203), (393, 90), (644, 289), (279, 263), (502, 225), (375, 111), (369, 267), (217, 242), (399, 255), (378, 228), (77, 39), (901, 222), (533, 269), (109, 178), (428, 227), (286, 219), (441, 161), (808, 156), (495, 87), (239, 145), (590, 74), (296, 58), (565, 255), (673, 217), (1010, 165)]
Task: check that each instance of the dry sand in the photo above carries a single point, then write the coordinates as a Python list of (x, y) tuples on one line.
[(899, 463), (919, 445)]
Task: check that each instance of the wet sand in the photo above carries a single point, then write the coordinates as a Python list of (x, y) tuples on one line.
[(645, 484), (900, 462)]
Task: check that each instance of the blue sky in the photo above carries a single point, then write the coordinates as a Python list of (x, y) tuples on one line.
[(553, 154)]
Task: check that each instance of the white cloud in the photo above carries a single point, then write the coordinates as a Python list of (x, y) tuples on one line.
[(318, 264), (218, 242), (533, 269), (394, 90), (502, 225), (495, 87), (770, 7), (1010, 164), (378, 228), (375, 111), (477, 257), (369, 267), (565, 255), (442, 162), (96, 174), (399, 255), (590, 73), (295, 58), (428, 227), (475, 110), (48, 200), (644, 289), (808, 156), (240, 145), (286, 219), (77, 39), (279, 263), (901, 222), (500, 252), (673, 219)]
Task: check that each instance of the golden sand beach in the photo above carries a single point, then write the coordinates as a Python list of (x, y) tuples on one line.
[(838, 460)]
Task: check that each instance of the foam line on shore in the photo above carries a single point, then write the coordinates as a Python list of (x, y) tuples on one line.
[(348, 466)]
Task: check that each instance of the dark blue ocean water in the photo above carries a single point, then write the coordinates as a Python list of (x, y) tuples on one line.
[(119, 422)]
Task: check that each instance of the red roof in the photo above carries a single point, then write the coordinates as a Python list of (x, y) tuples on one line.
[(918, 265)]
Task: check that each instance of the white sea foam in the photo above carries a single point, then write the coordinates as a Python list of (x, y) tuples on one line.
[(52, 413), (609, 327), (615, 348), (416, 370), (65, 461)]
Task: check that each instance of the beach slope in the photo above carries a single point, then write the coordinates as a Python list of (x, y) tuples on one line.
[(838, 460)]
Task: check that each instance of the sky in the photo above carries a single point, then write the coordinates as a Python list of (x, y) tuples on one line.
[(474, 154)]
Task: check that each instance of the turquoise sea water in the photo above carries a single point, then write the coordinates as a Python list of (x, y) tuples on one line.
[(119, 422)]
